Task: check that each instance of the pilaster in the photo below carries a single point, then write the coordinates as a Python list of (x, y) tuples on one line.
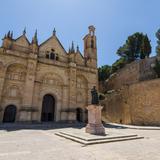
[(26, 111), (72, 91)]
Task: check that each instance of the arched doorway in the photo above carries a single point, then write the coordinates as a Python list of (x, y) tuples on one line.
[(79, 115), (48, 108), (10, 114)]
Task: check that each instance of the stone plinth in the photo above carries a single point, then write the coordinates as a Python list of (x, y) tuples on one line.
[(95, 125)]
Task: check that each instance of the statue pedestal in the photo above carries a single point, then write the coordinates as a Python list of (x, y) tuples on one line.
[(95, 125)]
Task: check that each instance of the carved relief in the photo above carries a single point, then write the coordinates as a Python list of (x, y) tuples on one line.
[(12, 91), (52, 79), (16, 72), (81, 82)]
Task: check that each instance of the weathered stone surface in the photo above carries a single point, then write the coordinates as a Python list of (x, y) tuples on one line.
[(95, 125), (26, 76), (138, 104), (131, 73)]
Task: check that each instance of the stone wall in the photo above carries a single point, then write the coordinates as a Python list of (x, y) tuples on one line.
[(134, 72), (137, 104)]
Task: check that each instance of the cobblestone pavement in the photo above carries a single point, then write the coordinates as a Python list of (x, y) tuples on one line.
[(42, 144)]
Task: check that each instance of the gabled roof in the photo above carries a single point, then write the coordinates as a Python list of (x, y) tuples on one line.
[(55, 37), (80, 54), (23, 37)]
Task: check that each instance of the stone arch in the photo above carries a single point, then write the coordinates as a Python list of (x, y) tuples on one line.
[(10, 113), (15, 75), (16, 71), (18, 62), (52, 79), (48, 108), (57, 101)]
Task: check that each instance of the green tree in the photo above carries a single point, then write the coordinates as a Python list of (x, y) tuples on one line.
[(145, 49), (137, 46), (104, 72), (120, 63)]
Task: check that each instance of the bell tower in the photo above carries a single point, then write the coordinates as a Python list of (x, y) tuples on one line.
[(90, 47)]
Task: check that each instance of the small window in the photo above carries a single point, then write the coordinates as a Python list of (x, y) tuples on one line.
[(52, 55)]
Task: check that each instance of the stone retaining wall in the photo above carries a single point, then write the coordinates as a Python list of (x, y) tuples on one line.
[(137, 104)]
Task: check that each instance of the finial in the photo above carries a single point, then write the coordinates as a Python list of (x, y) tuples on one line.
[(77, 48), (72, 48), (54, 32), (35, 35), (8, 35), (24, 31), (5, 36), (35, 40)]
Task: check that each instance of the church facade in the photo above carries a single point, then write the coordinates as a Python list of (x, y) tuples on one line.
[(45, 82)]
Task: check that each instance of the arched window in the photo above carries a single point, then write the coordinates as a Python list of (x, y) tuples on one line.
[(52, 55)]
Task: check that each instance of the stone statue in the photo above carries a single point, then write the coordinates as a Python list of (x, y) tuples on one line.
[(95, 98)]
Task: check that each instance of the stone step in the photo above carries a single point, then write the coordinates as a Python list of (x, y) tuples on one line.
[(98, 138), (84, 142)]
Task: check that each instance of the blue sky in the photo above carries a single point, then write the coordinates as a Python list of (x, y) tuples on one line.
[(114, 20)]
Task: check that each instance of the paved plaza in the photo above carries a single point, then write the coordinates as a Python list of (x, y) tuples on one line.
[(41, 143)]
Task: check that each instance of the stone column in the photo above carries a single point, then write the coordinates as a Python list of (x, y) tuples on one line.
[(95, 125), (64, 104)]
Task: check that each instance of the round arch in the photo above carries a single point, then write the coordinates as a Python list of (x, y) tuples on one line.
[(10, 114), (48, 108), (52, 78)]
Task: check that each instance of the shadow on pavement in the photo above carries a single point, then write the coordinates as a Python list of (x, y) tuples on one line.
[(39, 126)]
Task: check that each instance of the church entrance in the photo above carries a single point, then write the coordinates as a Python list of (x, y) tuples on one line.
[(79, 115), (10, 114), (48, 108)]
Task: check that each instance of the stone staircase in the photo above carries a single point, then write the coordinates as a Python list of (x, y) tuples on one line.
[(97, 139)]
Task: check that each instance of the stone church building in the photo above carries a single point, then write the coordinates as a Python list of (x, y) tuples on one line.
[(45, 82)]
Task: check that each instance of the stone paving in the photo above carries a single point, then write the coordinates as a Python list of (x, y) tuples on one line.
[(43, 144)]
